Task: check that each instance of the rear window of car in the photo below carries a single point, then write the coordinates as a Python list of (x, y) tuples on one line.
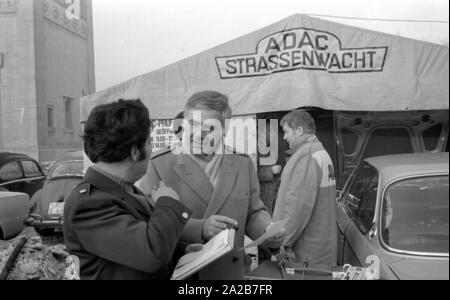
[(68, 169), (415, 215), (387, 141)]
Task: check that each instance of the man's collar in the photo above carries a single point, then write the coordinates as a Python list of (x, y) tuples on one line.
[(311, 139)]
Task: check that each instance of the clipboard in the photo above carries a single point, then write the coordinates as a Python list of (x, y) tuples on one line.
[(191, 263)]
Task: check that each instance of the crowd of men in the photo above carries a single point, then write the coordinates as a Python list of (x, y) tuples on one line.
[(136, 213)]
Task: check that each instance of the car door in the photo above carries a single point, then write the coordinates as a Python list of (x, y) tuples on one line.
[(361, 135), (359, 203), (11, 177), (343, 218), (34, 177)]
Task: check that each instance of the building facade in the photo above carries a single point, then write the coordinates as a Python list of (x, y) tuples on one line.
[(46, 65)]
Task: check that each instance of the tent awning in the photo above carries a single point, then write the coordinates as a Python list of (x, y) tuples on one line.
[(300, 61)]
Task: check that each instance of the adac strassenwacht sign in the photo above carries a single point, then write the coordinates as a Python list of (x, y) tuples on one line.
[(302, 48)]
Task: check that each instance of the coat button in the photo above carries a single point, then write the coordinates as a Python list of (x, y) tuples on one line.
[(185, 216)]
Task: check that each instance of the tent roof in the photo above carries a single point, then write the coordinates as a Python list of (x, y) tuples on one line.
[(297, 62)]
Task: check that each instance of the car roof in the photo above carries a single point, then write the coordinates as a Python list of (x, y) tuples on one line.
[(393, 167), (5, 156), (72, 156)]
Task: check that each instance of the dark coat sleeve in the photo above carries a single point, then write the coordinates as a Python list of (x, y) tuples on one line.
[(109, 231)]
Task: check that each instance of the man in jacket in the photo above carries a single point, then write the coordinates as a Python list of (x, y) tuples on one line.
[(221, 189), (307, 194), (108, 223)]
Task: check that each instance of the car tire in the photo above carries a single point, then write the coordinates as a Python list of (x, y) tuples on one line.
[(45, 231)]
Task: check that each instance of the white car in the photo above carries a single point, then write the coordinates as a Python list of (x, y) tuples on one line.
[(14, 210), (397, 209)]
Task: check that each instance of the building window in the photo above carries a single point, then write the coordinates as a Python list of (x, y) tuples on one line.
[(68, 104), (51, 117)]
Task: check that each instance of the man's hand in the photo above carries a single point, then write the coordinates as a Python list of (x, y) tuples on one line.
[(216, 224), (164, 191), (277, 240)]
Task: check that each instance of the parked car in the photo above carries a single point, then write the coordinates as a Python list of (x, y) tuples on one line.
[(20, 173), (397, 208), (62, 178), (14, 210)]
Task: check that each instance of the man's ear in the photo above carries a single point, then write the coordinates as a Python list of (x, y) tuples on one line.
[(300, 131), (135, 154)]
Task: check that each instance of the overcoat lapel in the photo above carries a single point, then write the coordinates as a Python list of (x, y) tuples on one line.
[(226, 178), (193, 175)]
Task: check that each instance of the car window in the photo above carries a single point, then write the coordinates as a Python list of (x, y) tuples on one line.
[(387, 141), (31, 169), (68, 169), (10, 171), (349, 140), (415, 215), (432, 136), (362, 196)]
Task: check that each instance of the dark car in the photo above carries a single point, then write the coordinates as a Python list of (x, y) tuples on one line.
[(62, 178), (396, 208), (20, 173)]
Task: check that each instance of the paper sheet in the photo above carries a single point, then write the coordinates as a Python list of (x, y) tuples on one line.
[(272, 231)]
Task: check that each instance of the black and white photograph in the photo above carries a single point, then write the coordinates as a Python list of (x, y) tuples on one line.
[(224, 146)]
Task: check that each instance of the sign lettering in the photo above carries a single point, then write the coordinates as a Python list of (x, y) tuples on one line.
[(302, 49)]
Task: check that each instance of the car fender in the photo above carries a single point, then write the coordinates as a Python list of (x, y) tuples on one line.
[(14, 210), (35, 202)]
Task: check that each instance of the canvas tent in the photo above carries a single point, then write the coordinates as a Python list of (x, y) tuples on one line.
[(299, 62)]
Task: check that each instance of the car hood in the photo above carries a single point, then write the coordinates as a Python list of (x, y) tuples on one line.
[(421, 269)]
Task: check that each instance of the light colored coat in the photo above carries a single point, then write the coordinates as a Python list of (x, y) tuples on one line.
[(236, 196), (307, 196)]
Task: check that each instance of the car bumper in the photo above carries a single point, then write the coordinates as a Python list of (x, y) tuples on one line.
[(38, 221)]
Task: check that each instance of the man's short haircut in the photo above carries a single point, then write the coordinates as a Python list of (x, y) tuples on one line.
[(300, 118), (113, 129), (210, 100)]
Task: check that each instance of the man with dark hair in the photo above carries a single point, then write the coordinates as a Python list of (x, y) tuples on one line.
[(221, 189), (108, 223), (307, 194)]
